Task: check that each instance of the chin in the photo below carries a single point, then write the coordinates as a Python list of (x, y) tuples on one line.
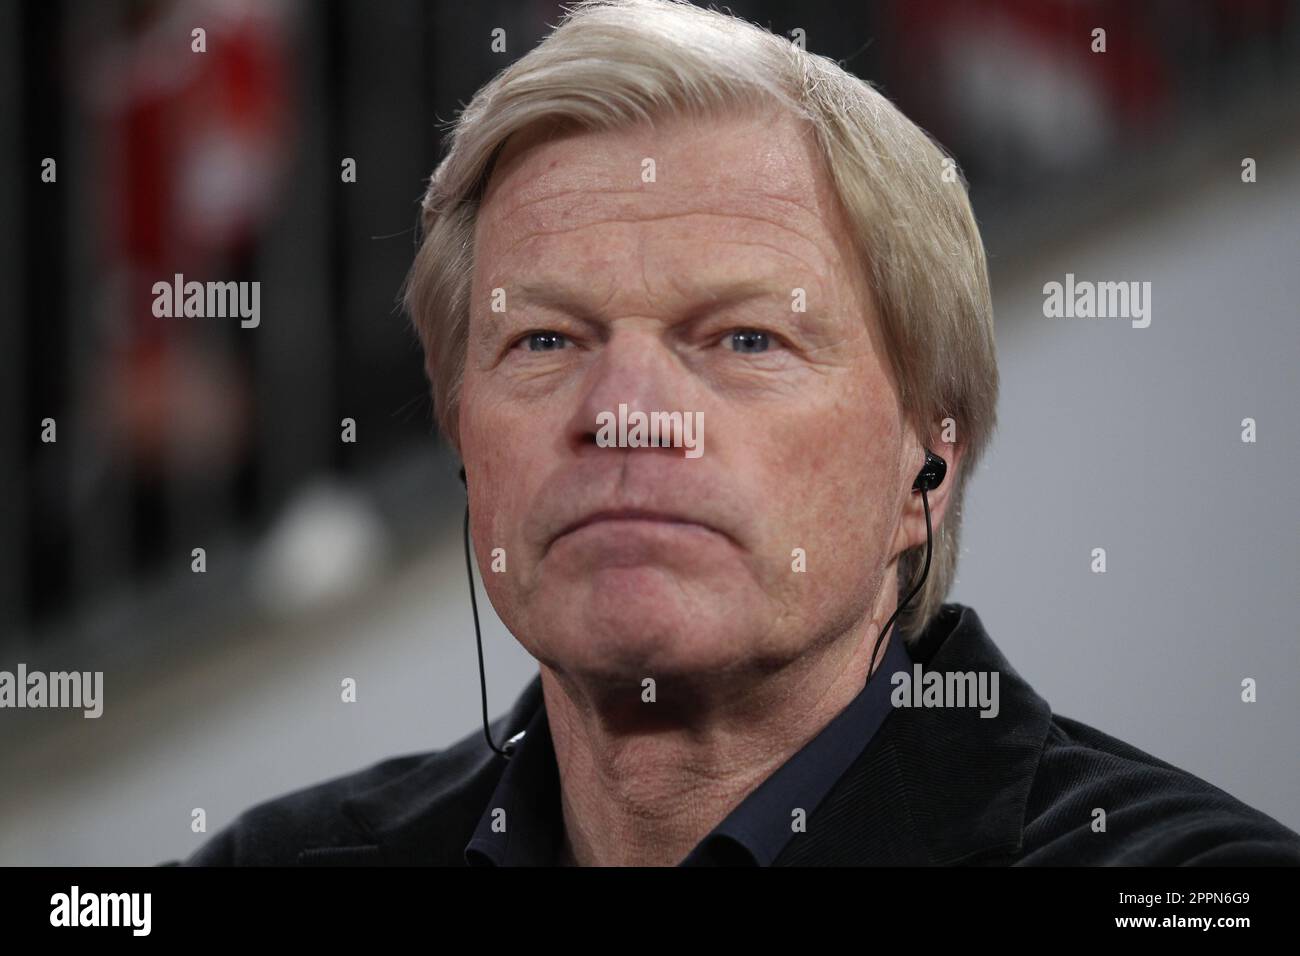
[(638, 637)]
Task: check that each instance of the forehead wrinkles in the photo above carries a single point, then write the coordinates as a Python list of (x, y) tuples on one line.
[(757, 182), (788, 227)]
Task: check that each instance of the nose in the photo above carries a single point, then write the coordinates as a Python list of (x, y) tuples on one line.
[(639, 370)]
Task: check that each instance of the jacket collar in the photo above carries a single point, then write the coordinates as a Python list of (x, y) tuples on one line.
[(935, 786), (425, 816)]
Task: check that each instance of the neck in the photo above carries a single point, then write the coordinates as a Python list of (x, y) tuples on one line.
[(645, 796)]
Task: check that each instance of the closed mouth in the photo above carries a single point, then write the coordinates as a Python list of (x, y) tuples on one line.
[(631, 514)]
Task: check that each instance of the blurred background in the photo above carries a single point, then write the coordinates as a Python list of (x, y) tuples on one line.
[(328, 559)]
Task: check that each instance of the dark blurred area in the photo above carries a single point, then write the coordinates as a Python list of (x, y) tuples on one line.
[(226, 164)]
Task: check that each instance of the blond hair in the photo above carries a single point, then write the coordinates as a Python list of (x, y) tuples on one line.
[(614, 63)]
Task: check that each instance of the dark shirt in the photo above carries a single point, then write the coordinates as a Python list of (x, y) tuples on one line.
[(753, 834), (937, 786)]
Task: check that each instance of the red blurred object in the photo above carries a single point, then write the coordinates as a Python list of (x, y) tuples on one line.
[(193, 146), (1024, 70)]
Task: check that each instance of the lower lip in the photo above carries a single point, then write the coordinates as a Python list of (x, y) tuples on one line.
[(650, 526)]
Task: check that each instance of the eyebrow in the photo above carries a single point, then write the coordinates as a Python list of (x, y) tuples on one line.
[(708, 297)]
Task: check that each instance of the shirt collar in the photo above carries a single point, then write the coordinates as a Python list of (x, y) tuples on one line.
[(522, 824), (763, 822)]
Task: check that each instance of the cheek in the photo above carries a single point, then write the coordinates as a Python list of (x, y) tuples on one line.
[(493, 443), (835, 474)]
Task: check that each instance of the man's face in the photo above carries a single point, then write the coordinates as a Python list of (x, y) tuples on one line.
[(677, 294)]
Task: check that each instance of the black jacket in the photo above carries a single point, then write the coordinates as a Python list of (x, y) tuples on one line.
[(939, 786)]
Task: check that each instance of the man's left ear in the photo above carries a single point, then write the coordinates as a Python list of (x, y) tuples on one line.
[(911, 529)]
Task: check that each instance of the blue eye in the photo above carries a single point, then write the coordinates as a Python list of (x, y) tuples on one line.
[(545, 341), (749, 341)]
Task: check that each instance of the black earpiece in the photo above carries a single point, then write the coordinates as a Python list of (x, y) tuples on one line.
[(462, 478), (928, 478)]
